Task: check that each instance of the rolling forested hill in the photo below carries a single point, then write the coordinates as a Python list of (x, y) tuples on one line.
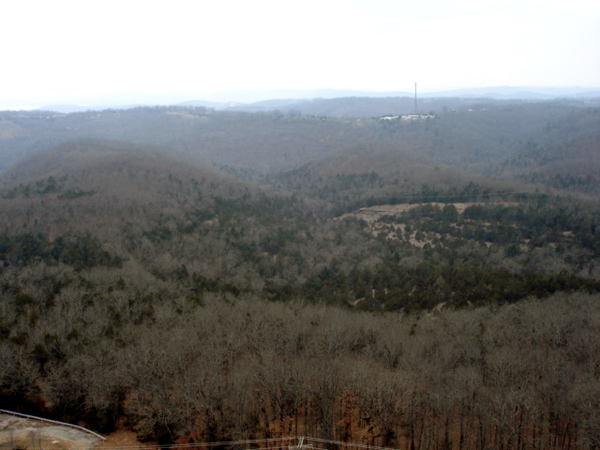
[(202, 275), (545, 142)]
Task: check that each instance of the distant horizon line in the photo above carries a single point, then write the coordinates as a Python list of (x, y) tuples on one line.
[(247, 96)]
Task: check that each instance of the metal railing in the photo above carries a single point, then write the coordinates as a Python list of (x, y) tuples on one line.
[(27, 416)]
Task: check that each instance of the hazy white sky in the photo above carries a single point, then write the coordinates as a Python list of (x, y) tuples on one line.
[(79, 51)]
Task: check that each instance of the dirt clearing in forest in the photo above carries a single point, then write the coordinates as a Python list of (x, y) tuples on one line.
[(373, 213)]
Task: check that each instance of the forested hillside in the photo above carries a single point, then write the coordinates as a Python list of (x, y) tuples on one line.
[(92, 203), (196, 275), (551, 143)]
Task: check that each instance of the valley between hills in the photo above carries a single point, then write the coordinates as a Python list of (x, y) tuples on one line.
[(194, 275)]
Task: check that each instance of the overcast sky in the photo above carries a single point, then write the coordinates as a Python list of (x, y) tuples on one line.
[(85, 50)]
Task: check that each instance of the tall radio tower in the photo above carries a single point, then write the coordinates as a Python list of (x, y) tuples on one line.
[(415, 98)]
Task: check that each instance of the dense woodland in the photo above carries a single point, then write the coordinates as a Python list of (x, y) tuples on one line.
[(198, 275)]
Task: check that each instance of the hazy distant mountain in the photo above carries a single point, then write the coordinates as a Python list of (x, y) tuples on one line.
[(496, 92), (204, 104), (295, 94), (68, 109), (519, 93), (285, 99), (65, 109)]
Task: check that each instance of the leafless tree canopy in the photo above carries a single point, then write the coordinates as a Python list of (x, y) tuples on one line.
[(356, 280)]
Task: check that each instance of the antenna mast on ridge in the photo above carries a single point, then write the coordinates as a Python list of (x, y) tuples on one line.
[(415, 98)]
